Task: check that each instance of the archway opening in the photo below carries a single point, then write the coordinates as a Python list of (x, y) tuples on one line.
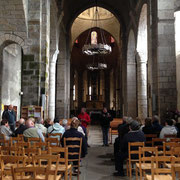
[(11, 76)]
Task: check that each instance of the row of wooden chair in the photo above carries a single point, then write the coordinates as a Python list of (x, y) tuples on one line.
[(144, 154), (44, 148)]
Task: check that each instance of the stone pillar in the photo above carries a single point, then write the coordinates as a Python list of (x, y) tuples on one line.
[(177, 39), (142, 87), (167, 95), (52, 85), (80, 89)]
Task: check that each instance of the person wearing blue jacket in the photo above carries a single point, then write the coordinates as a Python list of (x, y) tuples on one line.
[(56, 128)]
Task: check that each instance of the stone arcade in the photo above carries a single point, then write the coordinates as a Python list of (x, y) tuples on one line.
[(41, 56)]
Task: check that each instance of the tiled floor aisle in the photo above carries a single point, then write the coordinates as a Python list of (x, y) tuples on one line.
[(97, 165)]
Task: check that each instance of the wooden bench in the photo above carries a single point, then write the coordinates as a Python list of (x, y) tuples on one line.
[(114, 127)]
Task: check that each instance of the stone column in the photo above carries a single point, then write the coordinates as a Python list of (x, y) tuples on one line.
[(52, 85), (142, 87), (167, 92)]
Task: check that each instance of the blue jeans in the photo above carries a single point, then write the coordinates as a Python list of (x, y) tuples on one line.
[(105, 131)]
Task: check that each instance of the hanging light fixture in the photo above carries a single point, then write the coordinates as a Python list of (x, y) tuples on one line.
[(95, 48)]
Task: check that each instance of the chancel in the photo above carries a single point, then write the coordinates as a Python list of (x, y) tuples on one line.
[(104, 73)]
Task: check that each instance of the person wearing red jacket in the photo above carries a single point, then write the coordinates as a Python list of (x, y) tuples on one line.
[(84, 117), (85, 120)]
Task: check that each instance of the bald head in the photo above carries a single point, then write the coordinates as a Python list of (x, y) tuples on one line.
[(10, 107), (21, 121), (30, 122)]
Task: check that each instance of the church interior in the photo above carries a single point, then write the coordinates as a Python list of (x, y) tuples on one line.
[(57, 56)]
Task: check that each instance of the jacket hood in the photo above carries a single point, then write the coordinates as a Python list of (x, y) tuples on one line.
[(171, 129), (57, 127)]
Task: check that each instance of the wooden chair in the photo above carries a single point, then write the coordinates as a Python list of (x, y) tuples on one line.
[(74, 152), (22, 144), (170, 136), (158, 142), (64, 167), (149, 138), (175, 151), (30, 152), (31, 173), (55, 135), (175, 140), (175, 170), (133, 150), (144, 163), (7, 161), (21, 136), (13, 151), (14, 140), (167, 148), (3, 141), (158, 170), (53, 142), (33, 140), (51, 162)]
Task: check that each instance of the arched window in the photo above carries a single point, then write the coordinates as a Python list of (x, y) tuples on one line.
[(93, 37)]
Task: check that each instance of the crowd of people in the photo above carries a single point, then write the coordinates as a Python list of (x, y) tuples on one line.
[(134, 131)]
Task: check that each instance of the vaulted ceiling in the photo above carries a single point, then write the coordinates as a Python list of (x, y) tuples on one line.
[(120, 8)]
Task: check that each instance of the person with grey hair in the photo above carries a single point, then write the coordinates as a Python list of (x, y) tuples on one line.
[(39, 125), (65, 124), (31, 131), (10, 115)]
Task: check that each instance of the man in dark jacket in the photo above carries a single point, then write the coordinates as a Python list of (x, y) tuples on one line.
[(10, 115), (72, 132), (105, 120), (21, 127), (134, 135)]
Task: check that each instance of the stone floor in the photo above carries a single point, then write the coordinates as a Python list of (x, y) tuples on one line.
[(97, 165)]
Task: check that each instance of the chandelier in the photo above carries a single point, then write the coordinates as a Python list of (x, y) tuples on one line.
[(95, 48), (96, 65)]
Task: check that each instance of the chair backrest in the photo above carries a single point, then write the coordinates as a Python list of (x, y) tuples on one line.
[(149, 138), (52, 141), (167, 147), (175, 140), (145, 153), (175, 167), (170, 135), (158, 142), (3, 141), (74, 148), (29, 173), (23, 144), (175, 151), (15, 140), (158, 165), (34, 140), (30, 152), (11, 161), (13, 151), (55, 134), (133, 149), (51, 160), (62, 152)]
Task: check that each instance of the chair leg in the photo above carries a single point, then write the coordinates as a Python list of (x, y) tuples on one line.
[(127, 168), (130, 170), (137, 173), (70, 174)]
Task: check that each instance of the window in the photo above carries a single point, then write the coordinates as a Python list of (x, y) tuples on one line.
[(93, 37), (90, 92), (74, 93)]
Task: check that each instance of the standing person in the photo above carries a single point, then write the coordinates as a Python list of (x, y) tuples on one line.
[(10, 115), (105, 120), (85, 119)]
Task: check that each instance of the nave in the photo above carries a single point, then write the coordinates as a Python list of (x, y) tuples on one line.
[(97, 165)]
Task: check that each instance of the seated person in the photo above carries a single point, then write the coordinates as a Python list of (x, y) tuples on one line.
[(5, 129), (168, 129), (134, 135), (56, 128), (21, 127), (65, 124), (31, 131), (39, 125), (155, 122), (48, 122), (148, 128), (73, 132)]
